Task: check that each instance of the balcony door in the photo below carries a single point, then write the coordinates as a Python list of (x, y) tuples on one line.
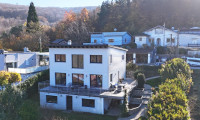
[(69, 102)]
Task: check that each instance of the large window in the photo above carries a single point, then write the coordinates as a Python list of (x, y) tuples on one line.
[(96, 81), (60, 78), (77, 79), (51, 99), (88, 103), (95, 58), (60, 58), (77, 61), (111, 77), (110, 58)]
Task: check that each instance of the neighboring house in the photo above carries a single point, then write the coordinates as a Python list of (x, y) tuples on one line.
[(111, 38), (161, 36), (190, 37), (23, 62), (157, 36), (83, 78)]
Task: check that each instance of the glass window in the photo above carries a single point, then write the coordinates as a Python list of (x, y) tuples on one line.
[(96, 80), (95, 58), (95, 41), (60, 58), (140, 39), (88, 103), (51, 99), (173, 40), (60, 78), (168, 39), (122, 57), (77, 61), (111, 76), (111, 40), (77, 79)]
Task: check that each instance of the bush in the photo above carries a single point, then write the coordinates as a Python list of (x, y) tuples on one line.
[(183, 51), (162, 50), (136, 73), (169, 103), (141, 80), (30, 86), (131, 66), (14, 77), (29, 111), (4, 77)]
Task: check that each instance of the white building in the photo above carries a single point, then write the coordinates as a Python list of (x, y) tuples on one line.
[(158, 36), (23, 61), (82, 78), (161, 36), (111, 38)]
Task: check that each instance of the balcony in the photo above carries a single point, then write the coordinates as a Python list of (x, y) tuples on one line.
[(112, 92), (193, 45)]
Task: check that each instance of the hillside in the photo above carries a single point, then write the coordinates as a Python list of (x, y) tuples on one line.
[(12, 15)]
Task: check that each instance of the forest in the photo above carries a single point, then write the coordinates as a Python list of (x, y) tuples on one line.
[(133, 16)]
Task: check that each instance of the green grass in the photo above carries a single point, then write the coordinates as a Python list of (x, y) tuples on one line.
[(154, 82), (194, 96)]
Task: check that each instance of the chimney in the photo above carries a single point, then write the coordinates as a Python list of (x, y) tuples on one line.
[(26, 49), (115, 30), (172, 28), (69, 42)]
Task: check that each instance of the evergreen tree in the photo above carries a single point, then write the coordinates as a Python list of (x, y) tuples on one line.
[(32, 19)]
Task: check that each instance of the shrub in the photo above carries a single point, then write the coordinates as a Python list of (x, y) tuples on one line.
[(141, 80), (162, 50), (169, 103), (4, 77), (133, 45), (131, 66), (136, 73), (124, 111), (183, 51)]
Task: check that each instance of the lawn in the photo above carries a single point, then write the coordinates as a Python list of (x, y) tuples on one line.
[(194, 96), (46, 114), (154, 82)]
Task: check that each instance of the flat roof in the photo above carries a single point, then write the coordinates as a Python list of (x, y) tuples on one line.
[(86, 46)]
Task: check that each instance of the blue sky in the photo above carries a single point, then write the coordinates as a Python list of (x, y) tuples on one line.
[(56, 3)]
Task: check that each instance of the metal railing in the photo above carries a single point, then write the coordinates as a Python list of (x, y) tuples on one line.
[(70, 89), (193, 45)]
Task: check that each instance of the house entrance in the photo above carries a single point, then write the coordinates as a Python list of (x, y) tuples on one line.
[(69, 102)]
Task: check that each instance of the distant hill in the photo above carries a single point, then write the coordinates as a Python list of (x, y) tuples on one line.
[(12, 15)]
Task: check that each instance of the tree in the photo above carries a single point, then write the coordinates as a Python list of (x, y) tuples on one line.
[(14, 77), (10, 102), (32, 19), (4, 78), (174, 67), (170, 103), (17, 30), (84, 15)]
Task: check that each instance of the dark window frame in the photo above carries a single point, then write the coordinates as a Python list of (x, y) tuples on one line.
[(78, 78), (51, 97), (96, 86), (111, 40), (88, 103), (111, 77), (78, 61), (61, 78), (96, 57), (123, 57), (59, 55)]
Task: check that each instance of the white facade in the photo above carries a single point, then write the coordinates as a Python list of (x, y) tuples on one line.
[(186, 39), (113, 65), (161, 36), (111, 38), (141, 41)]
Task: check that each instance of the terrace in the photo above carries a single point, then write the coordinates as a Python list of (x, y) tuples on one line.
[(116, 92)]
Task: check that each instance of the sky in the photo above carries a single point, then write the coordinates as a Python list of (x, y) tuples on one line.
[(55, 3)]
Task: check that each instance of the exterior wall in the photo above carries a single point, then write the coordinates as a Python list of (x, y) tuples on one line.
[(118, 66), (185, 39), (26, 60), (140, 43), (104, 39), (2, 63), (89, 68), (76, 103), (162, 36), (126, 39)]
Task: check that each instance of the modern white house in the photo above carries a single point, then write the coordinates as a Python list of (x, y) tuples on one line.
[(85, 78), (157, 36), (23, 61), (111, 38)]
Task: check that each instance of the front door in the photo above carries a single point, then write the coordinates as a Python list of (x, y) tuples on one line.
[(69, 102)]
